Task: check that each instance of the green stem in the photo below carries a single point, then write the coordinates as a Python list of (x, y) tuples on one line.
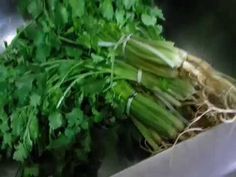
[(153, 68), (160, 111), (134, 52), (81, 76), (64, 39), (146, 134), (144, 47), (142, 109), (152, 120)]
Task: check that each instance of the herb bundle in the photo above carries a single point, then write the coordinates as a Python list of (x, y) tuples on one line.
[(80, 64)]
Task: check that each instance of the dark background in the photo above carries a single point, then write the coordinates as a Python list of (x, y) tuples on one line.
[(206, 28)]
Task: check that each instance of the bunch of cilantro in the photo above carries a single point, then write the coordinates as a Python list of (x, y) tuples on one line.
[(61, 77)]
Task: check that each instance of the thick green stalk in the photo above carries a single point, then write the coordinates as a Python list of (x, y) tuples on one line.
[(172, 59), (171, 89), (165, 47), (169, 98), (156, 136), (125, 71), (152, 120), (139, 53), (142, 109), (147, 134), (158, 70), (161, 111)]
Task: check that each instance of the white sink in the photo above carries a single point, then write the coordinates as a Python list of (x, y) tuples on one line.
[(209, 154)]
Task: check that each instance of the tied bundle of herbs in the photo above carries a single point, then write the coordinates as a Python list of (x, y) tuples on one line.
[(78, 65)]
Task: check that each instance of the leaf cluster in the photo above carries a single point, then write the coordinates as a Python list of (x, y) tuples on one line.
[(52, 94)]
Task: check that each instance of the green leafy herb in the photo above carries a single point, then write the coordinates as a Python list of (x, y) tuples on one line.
[(149, 20), (82, 66), (55, 120)]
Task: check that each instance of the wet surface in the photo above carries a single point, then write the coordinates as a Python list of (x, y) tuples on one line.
[(9, 21)]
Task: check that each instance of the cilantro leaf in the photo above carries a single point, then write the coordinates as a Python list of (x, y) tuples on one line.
[(3, 93), (7, 140), (27, 141), (75, 117), (18, 123), (148, 20), (35, 8), (3, 72), (128, 3), (97, 116), (34, 128), (24, 85), (42, 52), (35, 99), (96, 58), (73, 52), (21, 153), (37, 36), (53, 4), (55, 120), (87, 143), (107, 9), (61, 16), (85, 125), (52, 40), (31, 171), (78, 7), (120, 17), (62, 142), (72, 132), (157, 12)]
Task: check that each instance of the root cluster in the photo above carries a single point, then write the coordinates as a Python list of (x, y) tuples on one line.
[(214, 100)]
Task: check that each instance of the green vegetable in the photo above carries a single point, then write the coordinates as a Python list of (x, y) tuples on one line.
[(78, 65)]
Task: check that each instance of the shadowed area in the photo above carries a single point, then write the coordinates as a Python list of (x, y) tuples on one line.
[(205, 28)]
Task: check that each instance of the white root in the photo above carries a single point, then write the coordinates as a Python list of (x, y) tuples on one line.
[(186, 131), (208, 78), (211, 83)]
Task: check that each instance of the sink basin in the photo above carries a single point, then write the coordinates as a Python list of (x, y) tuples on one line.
[(209, 154), (9, 21)]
